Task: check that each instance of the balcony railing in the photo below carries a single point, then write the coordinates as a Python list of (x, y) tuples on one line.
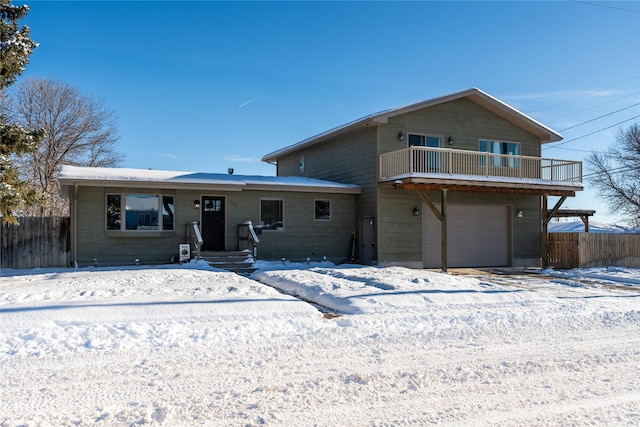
[(426, 160)]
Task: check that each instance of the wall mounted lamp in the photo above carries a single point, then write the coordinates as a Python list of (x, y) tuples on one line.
[(518, 213), (230, 170), (372, 221), (196, 204), (416, 211), (401, 136), (450, 140)]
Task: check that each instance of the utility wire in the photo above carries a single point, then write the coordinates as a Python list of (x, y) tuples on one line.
[(599, 117), (600, 105), (607, 6), (588, 93), (592, 133), (612, 171)]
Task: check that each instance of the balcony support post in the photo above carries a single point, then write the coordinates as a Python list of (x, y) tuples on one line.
[(442, 217)]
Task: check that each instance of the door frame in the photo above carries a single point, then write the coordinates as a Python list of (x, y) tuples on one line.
[(204, 227)]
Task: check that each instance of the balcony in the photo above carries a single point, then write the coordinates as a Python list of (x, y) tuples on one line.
[(464, 170)]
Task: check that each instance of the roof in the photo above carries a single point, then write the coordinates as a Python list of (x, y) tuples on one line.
[(148, 178), (481, 98)]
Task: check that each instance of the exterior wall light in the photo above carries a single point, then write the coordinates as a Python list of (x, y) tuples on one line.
[(230, 170), (416, 211), (518, 213), (450, 140), (401, 136), (196, 204)]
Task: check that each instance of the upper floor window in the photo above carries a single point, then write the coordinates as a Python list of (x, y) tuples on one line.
[(503, 150), (425, 161), (142, 212), (417, 140)]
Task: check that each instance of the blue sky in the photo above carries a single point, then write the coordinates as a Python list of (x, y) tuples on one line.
[(204, 86)]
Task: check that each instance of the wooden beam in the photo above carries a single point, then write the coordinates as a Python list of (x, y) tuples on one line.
[(555, 209), (480, 189), (544, 236), (430, 205), (443, 228), (442, 217)]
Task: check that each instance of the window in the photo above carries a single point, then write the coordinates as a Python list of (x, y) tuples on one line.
[(416, 140), (323, 210), (213, 205), (141, 212), (426, 161), (503, 149), (114, 219), (271, 214)]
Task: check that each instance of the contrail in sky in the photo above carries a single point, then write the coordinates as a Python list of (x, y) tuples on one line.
[(244, 104)]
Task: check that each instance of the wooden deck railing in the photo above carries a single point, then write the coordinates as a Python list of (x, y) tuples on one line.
[(413, 160)]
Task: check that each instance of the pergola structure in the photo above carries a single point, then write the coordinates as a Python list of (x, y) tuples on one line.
[(570, 213)]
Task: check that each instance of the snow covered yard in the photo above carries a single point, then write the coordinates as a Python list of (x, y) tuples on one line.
[(190, 345)]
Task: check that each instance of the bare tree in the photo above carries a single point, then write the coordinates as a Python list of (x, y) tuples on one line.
[(616, 174), (80, 131)]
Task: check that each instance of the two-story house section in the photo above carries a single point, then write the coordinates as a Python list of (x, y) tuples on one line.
[(453, 181)]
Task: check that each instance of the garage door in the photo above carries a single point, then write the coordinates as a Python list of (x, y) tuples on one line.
[(478, 236)]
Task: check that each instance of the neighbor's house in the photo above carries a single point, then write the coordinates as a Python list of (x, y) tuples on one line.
[(461, 173)]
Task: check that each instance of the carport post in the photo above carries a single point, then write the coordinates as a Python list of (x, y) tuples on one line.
[(443, 229), (442, 217)]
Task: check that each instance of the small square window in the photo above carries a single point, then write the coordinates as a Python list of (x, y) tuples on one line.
[(323, 210)]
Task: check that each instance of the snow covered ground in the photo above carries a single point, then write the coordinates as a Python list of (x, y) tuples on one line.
[(191, 345)]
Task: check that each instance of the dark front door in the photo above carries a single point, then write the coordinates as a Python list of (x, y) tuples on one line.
[(212, 223)]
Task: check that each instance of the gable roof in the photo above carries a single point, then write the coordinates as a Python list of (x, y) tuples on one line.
[(148, 178), (481, 98)]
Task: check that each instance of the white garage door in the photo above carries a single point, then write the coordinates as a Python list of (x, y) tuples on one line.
[(478, 236)]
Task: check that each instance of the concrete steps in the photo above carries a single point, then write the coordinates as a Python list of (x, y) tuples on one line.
[(239, 262)]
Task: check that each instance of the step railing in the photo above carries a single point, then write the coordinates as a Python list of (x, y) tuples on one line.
[(195, 238), (247, 233)]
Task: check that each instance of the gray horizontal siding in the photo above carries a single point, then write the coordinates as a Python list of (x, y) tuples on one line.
[(303, 236)]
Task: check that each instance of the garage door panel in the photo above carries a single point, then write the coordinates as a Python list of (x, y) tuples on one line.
[(478, 236)]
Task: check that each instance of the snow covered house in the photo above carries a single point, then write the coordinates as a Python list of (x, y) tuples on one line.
[(461, 172), (453, 181), (119, 215)]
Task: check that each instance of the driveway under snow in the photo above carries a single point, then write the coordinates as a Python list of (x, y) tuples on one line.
[(190, 345)]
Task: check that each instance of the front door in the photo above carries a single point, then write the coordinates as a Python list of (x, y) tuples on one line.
[(213, 223)]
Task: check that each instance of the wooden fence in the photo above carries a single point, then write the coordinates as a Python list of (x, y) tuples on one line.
[(38, 242), (580, 250)]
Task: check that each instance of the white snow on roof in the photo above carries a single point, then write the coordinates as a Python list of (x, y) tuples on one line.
[(76, 173)]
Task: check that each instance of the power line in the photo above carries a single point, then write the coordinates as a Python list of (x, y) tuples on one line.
[(599, 117), (592, 133), (600, 105), (589, 93), (607, 6), (612, 171)]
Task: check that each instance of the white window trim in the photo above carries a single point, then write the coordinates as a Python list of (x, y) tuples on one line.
[(123, 214), (281, 229), (330, 210), (489, 141)]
